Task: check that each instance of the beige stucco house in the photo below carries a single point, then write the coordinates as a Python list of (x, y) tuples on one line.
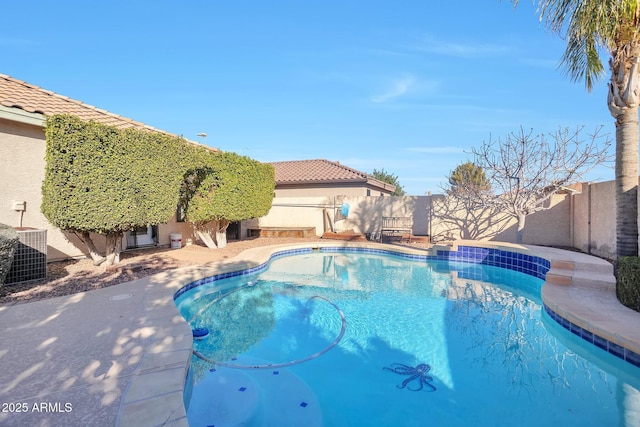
[(324, 178), (23, 110)]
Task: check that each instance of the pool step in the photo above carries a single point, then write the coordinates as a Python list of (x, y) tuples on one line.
[(253, 397), (226, 399), (592, 279)]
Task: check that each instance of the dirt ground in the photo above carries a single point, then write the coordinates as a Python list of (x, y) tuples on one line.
[(73, 276)]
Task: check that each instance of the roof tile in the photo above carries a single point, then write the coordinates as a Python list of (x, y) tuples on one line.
[(320, 171), (15, 93)]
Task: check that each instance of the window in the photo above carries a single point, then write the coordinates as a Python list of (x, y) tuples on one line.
[(180, 217), (139, 231)]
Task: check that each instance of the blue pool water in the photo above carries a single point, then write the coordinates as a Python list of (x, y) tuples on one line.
[(350, 339)]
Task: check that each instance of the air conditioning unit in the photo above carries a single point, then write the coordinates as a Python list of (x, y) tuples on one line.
[(30, 258)]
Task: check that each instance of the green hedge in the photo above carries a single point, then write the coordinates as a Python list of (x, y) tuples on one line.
[(8, 244), (229, 187), (628, 288), (105, 180), (102, 179)]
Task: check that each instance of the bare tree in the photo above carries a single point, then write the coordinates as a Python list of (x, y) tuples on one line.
[(463, 212), (459, 216), (526, 170)]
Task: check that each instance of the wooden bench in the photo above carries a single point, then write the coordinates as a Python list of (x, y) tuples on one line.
[(393, 226)]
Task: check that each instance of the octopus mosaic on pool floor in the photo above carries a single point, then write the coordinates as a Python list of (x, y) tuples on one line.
[(416, 374)]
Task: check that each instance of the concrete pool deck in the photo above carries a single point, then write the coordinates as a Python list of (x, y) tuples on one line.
[(119, 355)]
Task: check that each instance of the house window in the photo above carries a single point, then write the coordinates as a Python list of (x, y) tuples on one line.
[(180, 217), (139, 231), (368, 192)]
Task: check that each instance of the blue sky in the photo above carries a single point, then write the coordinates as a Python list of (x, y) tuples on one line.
[(407, 86)]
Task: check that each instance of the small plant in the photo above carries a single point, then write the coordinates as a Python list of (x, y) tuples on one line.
[(628, 288), (8, 243)]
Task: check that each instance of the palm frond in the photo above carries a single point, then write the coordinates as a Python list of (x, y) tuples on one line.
[(592, 28)]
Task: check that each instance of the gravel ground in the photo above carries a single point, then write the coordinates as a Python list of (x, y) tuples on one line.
[(74, 276)]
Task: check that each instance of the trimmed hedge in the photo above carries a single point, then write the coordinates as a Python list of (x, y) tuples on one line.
[(8, 244), (230, 188), (628, 289), (106, 180)]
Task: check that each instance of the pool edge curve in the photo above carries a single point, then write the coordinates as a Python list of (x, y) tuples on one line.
[(569, 293)]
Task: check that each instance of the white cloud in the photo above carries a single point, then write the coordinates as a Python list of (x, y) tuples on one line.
[(464, 50), (399, 87), (549, 64), (403, 86)]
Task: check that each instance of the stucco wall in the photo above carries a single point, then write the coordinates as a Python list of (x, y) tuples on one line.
[(549, 227), (584, 219), (22, 168), (364, 216), (594, 219), (603, 219), (458, 221), (580, 217), (22, 164)]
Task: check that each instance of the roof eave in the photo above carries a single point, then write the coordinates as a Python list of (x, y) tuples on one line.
[(322, 181), (21, 116), (381, 185)]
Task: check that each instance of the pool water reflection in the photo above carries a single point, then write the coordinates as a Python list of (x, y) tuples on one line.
[(493, 355)]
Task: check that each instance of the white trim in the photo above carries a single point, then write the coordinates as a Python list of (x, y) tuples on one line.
[(19, 115)]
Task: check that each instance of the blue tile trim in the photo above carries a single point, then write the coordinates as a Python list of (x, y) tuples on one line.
[(378, 252), (528, 264), (237, 273), (523, 263), (608, 346)]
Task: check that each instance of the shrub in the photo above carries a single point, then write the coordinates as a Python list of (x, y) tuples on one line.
[(226, 187), (628, 289), (104, 180), (8, 244)]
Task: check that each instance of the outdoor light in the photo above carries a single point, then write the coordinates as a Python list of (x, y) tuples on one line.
[(203, 135)]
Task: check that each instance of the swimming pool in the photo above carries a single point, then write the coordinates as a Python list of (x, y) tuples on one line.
[(415, 342)]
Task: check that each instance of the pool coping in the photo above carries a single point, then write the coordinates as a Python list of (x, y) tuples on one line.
[(579, 288)]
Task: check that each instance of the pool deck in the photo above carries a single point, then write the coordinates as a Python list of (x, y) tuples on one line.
[(119, 355)]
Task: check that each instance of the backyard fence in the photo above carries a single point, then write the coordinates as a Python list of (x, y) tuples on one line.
[(583, 218)]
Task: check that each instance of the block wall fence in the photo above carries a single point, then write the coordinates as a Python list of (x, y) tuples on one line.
[(583, 218)]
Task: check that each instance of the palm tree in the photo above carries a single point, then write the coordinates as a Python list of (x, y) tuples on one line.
[(592, 27)]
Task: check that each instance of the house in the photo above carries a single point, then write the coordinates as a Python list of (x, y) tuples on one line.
[(325, 178), (317, 195), (23, 110)]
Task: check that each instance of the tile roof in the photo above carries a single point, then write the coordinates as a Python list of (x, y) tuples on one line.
[(322, 171), (33, 99)]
